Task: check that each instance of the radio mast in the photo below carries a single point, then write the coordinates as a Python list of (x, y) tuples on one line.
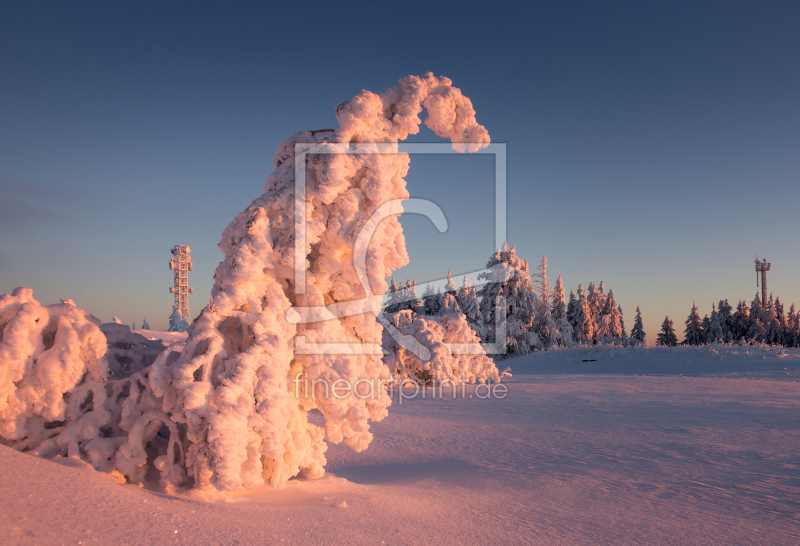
[(181, 264), (763, 267)]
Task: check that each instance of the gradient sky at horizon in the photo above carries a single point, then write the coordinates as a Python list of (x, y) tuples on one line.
[(653, 146)]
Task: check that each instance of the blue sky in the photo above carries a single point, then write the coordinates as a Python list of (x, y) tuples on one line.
[(650, 145)]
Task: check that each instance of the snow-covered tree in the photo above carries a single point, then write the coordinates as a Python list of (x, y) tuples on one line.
[(558, 310), (609, 329), (740, 321), (694, 328), (133, 325), (667, 335), (431, 302), (442, 366), (790, 339), (725, 312), (622, 325), (773, 332), (508, 277), (582, 325), (395, 298), (145, 326), (468, 302), (637, 332), (408, 298), (116, 320), (782, 319), (543, 289), (225, 403), (595, 308), (714, 331), (755, 324), (572, 307), (450, 286), (449, 305), (176, 322)]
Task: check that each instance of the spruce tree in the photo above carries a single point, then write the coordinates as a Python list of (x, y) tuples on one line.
[(725, 312), (558, 310), (740, 322), (609, 328), (176, 322), (145, 326), (667, 336), (395, 296), (694, 328), (637, 332), (781, 314), (450, 286), (622, 325), (468, 302), (449, 305), (593, 300), (508, 276), (544, 290), (773, 333), (572, 307), (431, 302), (714, 332), (755, 323)]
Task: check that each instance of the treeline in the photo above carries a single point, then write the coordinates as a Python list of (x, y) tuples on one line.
[(757, 324), (533, 316)]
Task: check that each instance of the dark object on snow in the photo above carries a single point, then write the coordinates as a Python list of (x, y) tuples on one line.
[(590, 360)]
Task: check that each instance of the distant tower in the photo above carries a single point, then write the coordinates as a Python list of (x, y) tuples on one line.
[(763, 267), (181, 264)]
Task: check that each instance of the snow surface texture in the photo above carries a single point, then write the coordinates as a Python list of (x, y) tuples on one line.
[(444, 365), (563, 459), (222, 414)]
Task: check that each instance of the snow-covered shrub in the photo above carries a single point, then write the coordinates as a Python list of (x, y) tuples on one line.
[(62, 393), (469, 365), (145, 326)]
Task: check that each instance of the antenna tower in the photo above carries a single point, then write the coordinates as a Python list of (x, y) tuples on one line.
[(181, 264), (763, 267)]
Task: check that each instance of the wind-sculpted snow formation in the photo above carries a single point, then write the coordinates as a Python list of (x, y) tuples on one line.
[(224, 414)]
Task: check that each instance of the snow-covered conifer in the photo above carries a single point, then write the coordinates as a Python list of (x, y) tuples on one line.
[(773, 333), (755, 324), (133, 325), (740, 321), (394, 299), (714, 332), (468, 302), (449, 305), (431, 302), (583, 327), (793, 340), (559, 312), (667, 335), (508, 276), (450, 286), (593, 299), (694, 328), (176, 322), (543, 289), (609, 329), (781, 315), (637, 332), (116, 320), (145, 326), (622, 325), (725, 312), (571, 308)]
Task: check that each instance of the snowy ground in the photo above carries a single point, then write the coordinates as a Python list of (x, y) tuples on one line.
[(166, 337), (623, 450)]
